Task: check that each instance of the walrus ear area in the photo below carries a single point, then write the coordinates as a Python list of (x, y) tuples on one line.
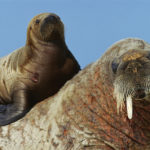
[(114, 65)]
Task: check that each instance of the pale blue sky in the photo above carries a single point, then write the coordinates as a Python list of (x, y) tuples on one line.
[(91, 26)]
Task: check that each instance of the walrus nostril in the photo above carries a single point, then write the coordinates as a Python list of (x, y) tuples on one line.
[(51, 19), (140, 94)]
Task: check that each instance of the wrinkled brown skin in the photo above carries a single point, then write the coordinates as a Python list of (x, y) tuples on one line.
[(83, 114), (37, 70), (92, 121)]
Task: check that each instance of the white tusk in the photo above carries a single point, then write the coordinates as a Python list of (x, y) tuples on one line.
[(129, 107)]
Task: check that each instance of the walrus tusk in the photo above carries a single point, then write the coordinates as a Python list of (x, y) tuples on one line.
[(129, 107)]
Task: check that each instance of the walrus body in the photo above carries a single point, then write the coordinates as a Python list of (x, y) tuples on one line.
[(119, 80), (121, 113), (110, 108), (37, 70)]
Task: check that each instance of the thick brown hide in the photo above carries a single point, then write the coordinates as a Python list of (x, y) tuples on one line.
[(82, 116)]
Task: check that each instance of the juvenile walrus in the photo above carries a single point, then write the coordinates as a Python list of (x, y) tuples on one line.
[(37, 70)]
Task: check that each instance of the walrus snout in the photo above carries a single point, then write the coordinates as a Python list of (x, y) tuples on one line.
[(51, 28), (51, 19)]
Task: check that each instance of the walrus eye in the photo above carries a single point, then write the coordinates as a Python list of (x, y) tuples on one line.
[(114, 66), (37, 21)]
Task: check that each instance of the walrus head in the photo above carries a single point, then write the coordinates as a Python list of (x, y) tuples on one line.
[(45, 27), (132, 78)]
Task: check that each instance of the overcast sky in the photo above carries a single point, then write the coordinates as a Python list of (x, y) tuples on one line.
[(91, 26)]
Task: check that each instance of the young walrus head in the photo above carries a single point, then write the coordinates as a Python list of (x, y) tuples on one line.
[(132, 78), (45, 27)]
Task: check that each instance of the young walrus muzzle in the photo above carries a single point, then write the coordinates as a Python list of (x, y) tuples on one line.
[(132, 78)]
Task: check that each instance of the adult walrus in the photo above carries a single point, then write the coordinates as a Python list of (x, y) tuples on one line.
[(119, 80), (37, 70)]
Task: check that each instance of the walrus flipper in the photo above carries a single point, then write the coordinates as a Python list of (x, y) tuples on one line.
[(18, 108)]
